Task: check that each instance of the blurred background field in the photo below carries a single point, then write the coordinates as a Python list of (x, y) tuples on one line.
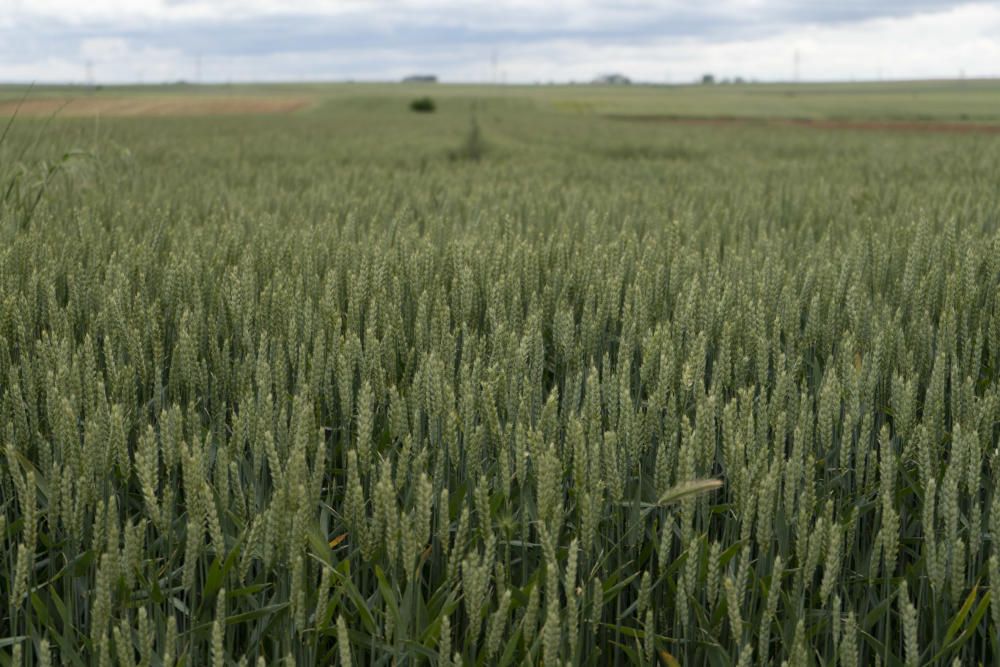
[(949, 100), (869, 147)]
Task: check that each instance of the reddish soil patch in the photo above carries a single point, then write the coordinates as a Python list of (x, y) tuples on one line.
[(890, 125), (154, 106)]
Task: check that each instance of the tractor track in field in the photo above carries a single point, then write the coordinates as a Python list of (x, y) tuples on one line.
[(820, 124)]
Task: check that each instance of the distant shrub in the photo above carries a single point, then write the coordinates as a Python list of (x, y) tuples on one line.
[(423, 105)]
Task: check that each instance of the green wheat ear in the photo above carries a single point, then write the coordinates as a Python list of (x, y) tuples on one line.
[(687, 489)]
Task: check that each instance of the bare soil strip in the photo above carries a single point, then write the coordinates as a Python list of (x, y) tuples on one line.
[(155, 106), (822, 124)]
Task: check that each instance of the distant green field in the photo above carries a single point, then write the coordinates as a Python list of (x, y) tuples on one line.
[(294, 375), (973, 100)]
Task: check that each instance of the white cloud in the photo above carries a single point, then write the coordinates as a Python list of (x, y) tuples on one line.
[(113, 59), (927, 45), (104, 48)]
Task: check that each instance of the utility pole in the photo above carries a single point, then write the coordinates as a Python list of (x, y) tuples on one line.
[(494, 61), (89, 68), (797, 62)]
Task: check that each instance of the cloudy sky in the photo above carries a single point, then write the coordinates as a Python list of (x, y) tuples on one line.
[(114, 41)]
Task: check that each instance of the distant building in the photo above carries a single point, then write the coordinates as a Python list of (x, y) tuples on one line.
[(421, 78), (612, 80)]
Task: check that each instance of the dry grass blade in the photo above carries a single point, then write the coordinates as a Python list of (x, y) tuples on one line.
[(689, 489)]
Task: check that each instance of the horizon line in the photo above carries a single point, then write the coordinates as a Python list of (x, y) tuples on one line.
[(718, 82)]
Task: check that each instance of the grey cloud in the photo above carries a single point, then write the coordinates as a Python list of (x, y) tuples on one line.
[(350, 32), (857, 10)]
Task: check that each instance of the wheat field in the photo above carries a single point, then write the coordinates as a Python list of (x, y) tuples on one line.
[(511, 382)]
